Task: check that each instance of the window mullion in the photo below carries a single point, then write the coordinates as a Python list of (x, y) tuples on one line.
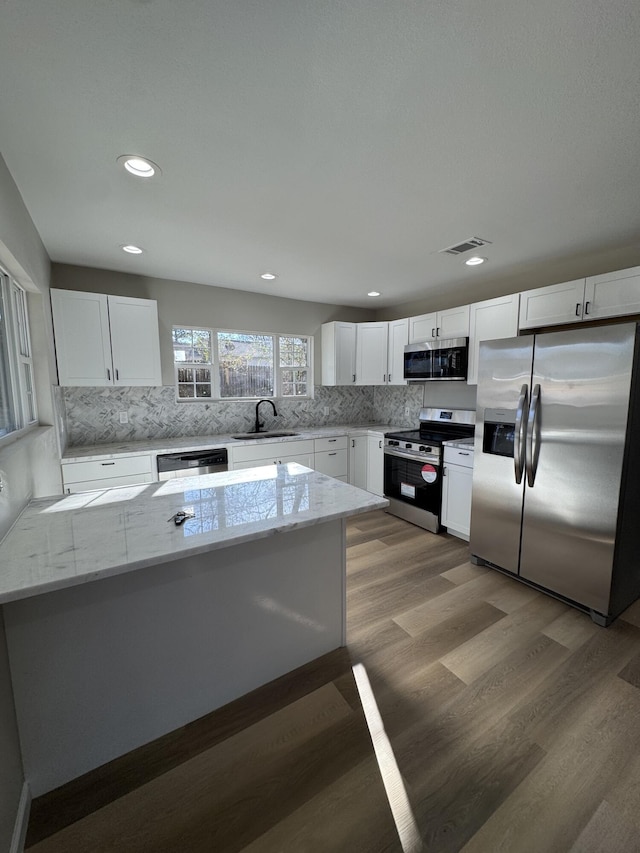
[(215, 366)]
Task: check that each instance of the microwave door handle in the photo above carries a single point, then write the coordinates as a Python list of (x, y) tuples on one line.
[(532, 448), (520, 432)]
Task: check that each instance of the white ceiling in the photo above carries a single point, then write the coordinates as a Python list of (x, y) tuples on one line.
[(339, 143)]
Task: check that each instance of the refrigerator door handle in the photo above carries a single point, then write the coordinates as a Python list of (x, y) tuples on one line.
[(520, 431), (532, 449)]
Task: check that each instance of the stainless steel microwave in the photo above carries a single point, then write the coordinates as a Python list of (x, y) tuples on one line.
[(436, 360)]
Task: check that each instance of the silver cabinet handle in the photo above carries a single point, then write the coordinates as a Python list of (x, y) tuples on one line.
[(107, 463), (380, 444), (117, 374), (532, 449), (462, 454), (354, 377), (520, 431), (335, 453), (578, 307), (353, 442), (437, 331), (444, 472), (389, 378), (586, 308), (108, 374), (433, 333)]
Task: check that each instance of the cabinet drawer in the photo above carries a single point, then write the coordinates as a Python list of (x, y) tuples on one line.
[(454, 456), (336, 442), (332, 462), (271, 450), (109, 483), (101, 469)]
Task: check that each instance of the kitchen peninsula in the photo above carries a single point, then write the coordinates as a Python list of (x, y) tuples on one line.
[(123, 625)]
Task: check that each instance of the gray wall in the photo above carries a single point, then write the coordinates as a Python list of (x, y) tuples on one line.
[(25, 460), (181, 302)]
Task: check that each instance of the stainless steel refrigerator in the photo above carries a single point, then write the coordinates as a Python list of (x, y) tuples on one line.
[(556, 480)]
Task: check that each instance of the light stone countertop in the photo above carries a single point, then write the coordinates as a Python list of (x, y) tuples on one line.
[(187, 443), (460, 443), (69, 540)]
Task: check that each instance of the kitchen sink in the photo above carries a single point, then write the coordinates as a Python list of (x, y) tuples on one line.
[(250, 436)]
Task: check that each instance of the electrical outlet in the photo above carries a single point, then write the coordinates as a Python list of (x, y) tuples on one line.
[(325, 411), (124, 418)]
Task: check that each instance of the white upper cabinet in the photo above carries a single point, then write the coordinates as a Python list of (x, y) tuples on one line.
[(549, 306), (613, 294), (105, 340), (338, 353), (451, 323), (488, 321), (398, 339), (371, 353)]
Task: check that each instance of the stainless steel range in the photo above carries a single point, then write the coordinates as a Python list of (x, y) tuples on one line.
[(413, 464)]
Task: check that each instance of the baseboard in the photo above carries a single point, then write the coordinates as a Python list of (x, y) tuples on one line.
[(22, 821)]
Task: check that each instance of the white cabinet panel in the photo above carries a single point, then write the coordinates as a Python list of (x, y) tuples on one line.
[(332, 462), (450, 323), (456, 491), (338, 353), (375, 464), (488, 321), (105, 340), (371, 353), (549, 306), (306, 459), (397, 340), (334, 442), (260, 453), (104, 473), (358, 459), (423, 328), (613, 294), (83, 344), (135, 345)]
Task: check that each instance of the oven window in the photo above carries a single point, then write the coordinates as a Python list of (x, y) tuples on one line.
[(414, 482)]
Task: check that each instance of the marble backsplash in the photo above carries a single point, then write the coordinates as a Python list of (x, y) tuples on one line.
[(92, 414)]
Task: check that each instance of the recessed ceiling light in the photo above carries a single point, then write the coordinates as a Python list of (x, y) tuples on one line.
[(472, 262), (132, 250), (268, 276), (373, 293), (139, 166)]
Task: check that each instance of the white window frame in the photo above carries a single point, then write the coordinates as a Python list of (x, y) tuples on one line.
[(214, 365), (20, 390)]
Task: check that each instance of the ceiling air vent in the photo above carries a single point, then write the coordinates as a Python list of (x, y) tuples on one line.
[(465, 246)]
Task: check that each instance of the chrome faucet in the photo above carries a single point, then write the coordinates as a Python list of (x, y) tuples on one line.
[(258, 424)]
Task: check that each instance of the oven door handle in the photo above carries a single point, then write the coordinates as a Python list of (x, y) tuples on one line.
[(520, 432), (402, 454)]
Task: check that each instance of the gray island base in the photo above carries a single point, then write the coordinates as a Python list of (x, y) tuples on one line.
[(106, 656)]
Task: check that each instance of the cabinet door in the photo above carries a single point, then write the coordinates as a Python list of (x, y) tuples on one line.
[(358, 460), (398, 339), (338, 353), (613, 294), (375, 465), (83, 349), (456, 499), (423, 328), (453, 323), (135, 343), (549, 306), (488, 321), (371, 353)]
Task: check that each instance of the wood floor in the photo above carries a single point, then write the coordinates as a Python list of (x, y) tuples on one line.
[(502, 720)]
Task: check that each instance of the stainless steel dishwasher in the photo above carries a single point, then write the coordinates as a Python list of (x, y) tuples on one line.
[(192, 464)]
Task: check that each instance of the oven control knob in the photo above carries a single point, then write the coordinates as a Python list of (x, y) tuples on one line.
[(423, 448), (408, 446), (393, 443)]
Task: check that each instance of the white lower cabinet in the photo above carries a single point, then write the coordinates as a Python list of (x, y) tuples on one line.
[(274, 453), (331, 456), (375, 464), (456, 491), (105, 473), (366, 461)]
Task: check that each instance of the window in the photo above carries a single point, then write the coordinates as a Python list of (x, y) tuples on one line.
[(232, 365), (17, 397)]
